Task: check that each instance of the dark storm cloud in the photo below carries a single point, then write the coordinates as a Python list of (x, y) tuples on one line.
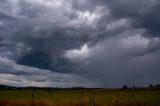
[(144, 13), (20, 75), (113, 42), (41, 37)]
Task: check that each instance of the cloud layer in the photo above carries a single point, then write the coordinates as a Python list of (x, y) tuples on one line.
[(91, 43)]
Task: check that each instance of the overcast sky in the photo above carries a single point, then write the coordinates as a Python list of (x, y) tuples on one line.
[(89, 43)]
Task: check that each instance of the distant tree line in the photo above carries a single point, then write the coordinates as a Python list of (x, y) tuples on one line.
[(5, 87), (150, 86)]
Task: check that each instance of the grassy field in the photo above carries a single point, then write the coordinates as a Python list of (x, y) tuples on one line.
[(95, 97)]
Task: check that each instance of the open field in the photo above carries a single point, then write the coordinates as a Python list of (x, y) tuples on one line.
[(92, 97)]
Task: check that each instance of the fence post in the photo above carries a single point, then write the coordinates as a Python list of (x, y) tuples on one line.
[(86, 99), (94, 102), (32, 102)]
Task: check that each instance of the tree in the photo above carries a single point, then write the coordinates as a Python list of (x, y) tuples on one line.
[(151, 86), (125, 87)]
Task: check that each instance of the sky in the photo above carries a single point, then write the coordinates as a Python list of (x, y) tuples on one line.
[(79, 43)]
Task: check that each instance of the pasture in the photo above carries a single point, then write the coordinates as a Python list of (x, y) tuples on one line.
[(85, 97)]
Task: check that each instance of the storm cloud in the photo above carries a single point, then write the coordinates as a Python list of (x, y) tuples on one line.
[(90, 43)]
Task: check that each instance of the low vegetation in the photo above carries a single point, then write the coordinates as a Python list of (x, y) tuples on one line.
[(81, 97)]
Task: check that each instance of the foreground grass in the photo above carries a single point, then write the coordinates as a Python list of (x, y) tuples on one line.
[(99, 97)]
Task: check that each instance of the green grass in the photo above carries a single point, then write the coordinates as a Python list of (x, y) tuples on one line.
[(101, 97)]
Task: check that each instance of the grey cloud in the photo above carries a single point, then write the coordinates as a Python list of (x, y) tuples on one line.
[(101, 34), (128, 58), (143, 12), (20, 75)]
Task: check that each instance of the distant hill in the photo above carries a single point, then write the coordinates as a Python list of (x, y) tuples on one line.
[(6, 87), (1, 86)]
